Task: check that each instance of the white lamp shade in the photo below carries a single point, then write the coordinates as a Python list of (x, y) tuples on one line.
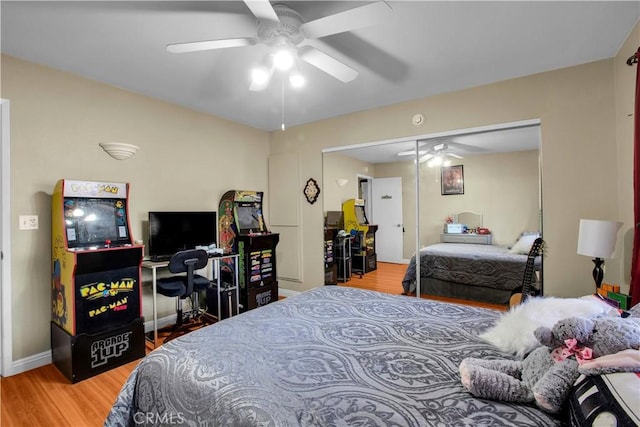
[(598, 238)]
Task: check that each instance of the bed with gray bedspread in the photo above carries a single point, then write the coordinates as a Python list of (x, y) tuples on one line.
[(488, 273), (331, 356)]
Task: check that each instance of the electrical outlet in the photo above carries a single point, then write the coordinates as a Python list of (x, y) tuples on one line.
[(28, 222)]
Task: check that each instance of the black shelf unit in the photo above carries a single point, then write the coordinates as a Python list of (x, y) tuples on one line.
[(330, 263), (343, 258)]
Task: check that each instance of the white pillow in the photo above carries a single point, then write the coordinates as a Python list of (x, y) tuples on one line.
[(513, 332), (524, 243)]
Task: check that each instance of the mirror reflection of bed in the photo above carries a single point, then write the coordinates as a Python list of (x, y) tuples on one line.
[(466, 265)]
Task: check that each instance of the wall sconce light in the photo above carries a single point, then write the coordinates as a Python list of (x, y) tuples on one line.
[(119, 150), (341, 182)]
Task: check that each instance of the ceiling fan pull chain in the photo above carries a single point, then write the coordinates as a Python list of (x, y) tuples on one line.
[(282, 127)]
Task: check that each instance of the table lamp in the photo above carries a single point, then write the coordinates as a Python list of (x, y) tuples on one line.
[(598, 239)]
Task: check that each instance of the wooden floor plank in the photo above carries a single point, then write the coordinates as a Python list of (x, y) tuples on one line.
[(43, 396)]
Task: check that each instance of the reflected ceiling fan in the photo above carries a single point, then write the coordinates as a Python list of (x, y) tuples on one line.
[(438, 153), (285, 30)]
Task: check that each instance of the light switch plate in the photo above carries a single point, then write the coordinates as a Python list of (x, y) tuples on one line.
[(28, 222)]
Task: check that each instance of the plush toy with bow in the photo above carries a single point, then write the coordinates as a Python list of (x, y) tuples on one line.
[(545, 376)]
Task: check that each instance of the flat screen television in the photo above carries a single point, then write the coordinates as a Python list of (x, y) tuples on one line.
[(94, 221), (170, 232)]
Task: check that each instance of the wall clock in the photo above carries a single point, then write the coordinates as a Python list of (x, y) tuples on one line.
[(311, 191)]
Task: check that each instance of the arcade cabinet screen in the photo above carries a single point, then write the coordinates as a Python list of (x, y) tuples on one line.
[(360, 215), (170, 232), (92, 222), (248, 218)]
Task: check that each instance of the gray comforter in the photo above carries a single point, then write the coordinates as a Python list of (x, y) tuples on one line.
[(332, 356), (489, 266)]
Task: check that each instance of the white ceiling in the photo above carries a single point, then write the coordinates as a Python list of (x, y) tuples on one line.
[(424, 48)]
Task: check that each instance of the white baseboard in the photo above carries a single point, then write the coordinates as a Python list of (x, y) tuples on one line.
[(287, 292), (162, 322), (28, 363)]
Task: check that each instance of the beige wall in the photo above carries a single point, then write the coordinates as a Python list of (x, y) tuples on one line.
[(576, 107), (187, 160), (338, 166)]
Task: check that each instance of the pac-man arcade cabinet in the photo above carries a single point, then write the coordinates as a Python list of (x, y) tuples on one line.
[(242, 230), (96, 318), (363, 246)]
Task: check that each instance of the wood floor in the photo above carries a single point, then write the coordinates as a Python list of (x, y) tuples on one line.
[(43, 396)]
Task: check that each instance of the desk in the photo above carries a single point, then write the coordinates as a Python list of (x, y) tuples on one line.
[(154, 266)]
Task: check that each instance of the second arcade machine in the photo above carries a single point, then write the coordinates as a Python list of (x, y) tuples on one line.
[(97, 321), (243, 231), (363, 245)]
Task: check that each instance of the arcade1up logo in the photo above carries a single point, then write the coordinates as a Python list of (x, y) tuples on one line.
[(263, 298), (102, 351)]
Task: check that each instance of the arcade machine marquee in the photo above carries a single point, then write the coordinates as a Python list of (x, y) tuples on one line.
[(96, 315)]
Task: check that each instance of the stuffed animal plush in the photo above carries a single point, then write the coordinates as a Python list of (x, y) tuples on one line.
[(545, 375)]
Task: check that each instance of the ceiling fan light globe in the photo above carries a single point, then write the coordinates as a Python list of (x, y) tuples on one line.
[(296, 80), (435, 161), (259, 75), (283, 60)]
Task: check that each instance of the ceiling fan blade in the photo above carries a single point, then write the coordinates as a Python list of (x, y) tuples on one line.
[(454, 155), (352, 19), (262, 9), (209, 45), (411, 153), (328, 64), (466, 147)]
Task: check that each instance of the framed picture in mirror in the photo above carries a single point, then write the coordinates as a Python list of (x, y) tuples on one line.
[(452, 180)]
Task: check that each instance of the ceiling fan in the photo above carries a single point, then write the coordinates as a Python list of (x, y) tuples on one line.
[(436, 153), (439, 155), (285, 30)]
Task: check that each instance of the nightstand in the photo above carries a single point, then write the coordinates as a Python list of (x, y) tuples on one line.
[(478, 239)]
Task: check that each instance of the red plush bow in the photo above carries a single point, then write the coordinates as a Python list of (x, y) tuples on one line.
[(571, 348)]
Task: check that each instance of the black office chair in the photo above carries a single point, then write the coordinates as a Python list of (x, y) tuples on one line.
[(185, 286)]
